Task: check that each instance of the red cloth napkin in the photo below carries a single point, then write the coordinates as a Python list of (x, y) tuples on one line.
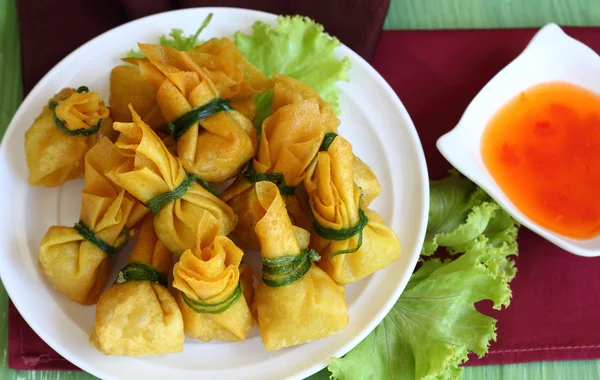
[(555, 305)]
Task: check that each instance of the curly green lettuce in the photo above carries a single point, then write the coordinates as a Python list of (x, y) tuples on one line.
[(297, 47), (434, 325)]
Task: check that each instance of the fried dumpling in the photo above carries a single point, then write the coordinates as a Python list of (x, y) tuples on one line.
[(353, 241), (212, 297), (127, 86), (76, 260), (69, 125), (231, 73), (290, 140), (296, 302), (290, 91), (246, 206), (204, 125), (137, 315), (158, 179)]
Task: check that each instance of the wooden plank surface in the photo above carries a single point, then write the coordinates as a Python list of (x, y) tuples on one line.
[(461, 14)]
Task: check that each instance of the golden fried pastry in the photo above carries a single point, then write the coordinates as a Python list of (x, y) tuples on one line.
[(137, 316)]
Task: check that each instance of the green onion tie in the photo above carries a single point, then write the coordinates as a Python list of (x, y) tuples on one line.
[(137, 271), (177, 127), (213, 308), (284, 270), (344, 233), (207, 186), (157, 203), (278, 179), (90, 236)]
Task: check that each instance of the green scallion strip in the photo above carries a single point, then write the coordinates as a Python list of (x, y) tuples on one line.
[(137, 271), (177, 127), (327, 140), (284, 270), (90, 236), (284, 264), (157, 203), (213, 308), (207, 186), (349, 250), (344, 234), (52, 105), (278, 179), (190, 41), (83, 89)]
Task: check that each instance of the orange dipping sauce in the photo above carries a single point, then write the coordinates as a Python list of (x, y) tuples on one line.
[(543, 150)]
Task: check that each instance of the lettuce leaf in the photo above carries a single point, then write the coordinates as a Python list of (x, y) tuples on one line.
[(434, 325), (297, 47), (459, 212), (176, 39)]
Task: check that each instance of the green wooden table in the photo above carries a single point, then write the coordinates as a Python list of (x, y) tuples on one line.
[(403, 14)]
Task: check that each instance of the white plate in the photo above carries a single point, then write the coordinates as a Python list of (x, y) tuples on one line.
[(550, 56), (373, 120)]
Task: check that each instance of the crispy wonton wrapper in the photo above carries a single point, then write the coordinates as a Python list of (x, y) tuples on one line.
[(234, 77), (154, 171), (246, 206), (54, 157), (309, 308), (290, 90), (219, 146), (334, 201), (210, 273), (74, 265), (140, 318), (127, 86), (290, 140)]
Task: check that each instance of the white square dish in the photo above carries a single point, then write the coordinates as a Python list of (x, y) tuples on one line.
[(551, 55)]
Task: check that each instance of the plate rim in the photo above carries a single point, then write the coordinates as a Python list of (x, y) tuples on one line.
[(381, 82)]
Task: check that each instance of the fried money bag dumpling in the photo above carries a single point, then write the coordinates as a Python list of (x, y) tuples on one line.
[(69, 125), (203, 123), (137, 315), (156, 178), (290, 139), (353, 241), (77, 260), (211, 286), (296, 302), (290, 90)]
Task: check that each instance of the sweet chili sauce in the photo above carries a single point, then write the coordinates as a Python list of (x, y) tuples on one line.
[(543, 150)]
